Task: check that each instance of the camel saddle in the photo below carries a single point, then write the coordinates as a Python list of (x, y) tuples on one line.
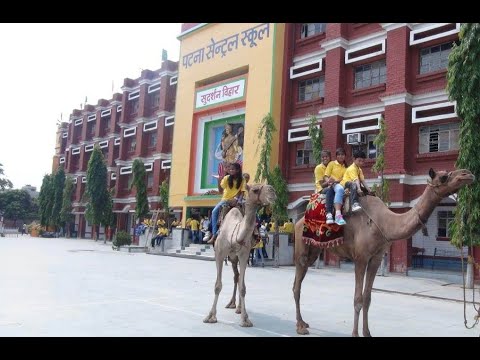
[(240, 206), (316, 231)]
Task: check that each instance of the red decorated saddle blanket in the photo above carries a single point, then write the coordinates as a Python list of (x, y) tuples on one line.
[(315, 231)]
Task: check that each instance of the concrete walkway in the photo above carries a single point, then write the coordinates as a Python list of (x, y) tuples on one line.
[(70, 287)]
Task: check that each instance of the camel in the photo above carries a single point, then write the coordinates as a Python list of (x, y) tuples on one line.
[(235, 239), (368, 234)]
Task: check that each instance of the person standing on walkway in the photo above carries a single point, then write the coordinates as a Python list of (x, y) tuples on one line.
[(24, 229)]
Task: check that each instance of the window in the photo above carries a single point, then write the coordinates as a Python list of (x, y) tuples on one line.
[(434, 58), (370, 74), (131, 144), (152, 140), (91, 129), (444, 220), (369, 148), (312, 29), (154, 100), (438, 138), (305, 154), (105, 125), (134, 106), (150, 180), (311, 89)]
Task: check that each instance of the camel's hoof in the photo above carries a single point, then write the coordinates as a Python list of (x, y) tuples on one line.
[(239, 310), (355, 334), (246, 323), (302, 324), (210, 319), (302, 331), (367, 334), (231, 305)]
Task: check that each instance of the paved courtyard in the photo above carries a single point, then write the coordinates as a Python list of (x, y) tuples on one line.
[(70, 287)]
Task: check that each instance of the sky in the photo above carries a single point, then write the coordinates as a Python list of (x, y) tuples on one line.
[(47, 71)]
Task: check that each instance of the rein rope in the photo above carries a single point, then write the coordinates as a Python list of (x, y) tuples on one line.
[(387, 241)]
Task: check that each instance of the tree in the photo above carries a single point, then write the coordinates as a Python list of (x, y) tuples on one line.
[(139, 178), (15, 204), (316, 137), (164, 189), (66, 216), (4, 183), (96, 189), (45, 200), (379, 165), (275, 178), (58, 185), (109, 216), (463, 86)]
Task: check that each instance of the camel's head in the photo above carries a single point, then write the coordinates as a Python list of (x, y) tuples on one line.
[(260, 194), (446, 183)]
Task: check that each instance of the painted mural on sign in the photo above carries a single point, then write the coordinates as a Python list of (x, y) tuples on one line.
[(222, 145)]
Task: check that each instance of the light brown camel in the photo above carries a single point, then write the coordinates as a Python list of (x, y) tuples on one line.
[(368, 235), (235, 241)]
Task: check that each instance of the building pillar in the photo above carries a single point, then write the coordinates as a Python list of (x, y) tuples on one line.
[(81, 226)]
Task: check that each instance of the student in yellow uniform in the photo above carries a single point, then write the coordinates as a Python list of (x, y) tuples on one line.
[(161, 234), (319, 172), (354, 179), (289, 229), (231, 184), (334, 173), (195, 226)]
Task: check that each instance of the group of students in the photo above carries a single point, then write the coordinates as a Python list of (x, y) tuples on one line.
[(333, 177)]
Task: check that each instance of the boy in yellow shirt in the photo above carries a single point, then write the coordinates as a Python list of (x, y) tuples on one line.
[(354, 179)]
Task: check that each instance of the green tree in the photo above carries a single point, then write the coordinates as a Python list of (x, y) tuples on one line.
[(164, 189), (96, 189), (265, 133), (316, 137), (58, 185), (45, 200), (275, 178), (15, 204), (66, 216), (463, 86), (109, 216), (139, 179), (379, 166), (4, 183)]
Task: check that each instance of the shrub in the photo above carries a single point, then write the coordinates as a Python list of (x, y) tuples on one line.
[(122, 238)]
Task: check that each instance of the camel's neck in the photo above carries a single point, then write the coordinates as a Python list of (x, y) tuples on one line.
[(249, 220), (406, 224)]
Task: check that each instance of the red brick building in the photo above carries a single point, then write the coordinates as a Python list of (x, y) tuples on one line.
[(135, 124), (350, 75)]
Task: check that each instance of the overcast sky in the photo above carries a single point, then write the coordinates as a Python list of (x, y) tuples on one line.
[(47, 70)]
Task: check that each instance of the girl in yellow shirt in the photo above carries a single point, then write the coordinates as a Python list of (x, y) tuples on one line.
[(231, 184), (334, 194)]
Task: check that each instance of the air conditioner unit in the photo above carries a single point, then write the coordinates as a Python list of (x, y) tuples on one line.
[(356, 139)]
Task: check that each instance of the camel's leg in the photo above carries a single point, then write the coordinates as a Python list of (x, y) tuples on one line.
[(232, 304), (243, 259), (212, 316), (360, 267), (372, 269), (301, 268)]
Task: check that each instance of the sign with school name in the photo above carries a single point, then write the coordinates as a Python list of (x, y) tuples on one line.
[(219, 94)]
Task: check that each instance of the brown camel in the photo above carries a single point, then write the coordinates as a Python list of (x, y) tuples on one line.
[(235, 241), (368, 234)]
